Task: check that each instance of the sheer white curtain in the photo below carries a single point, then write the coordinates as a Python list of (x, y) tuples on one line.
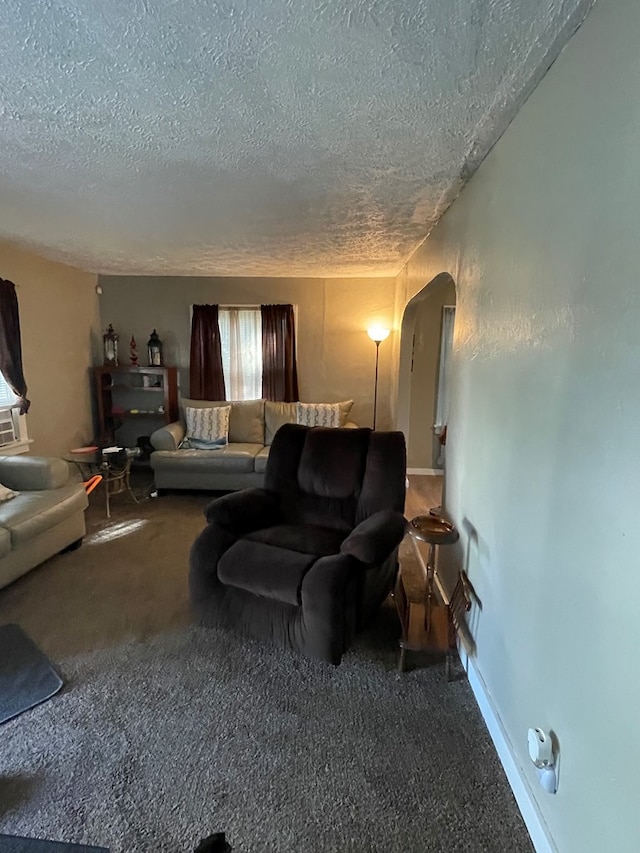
[(241, 336), (7, 396)]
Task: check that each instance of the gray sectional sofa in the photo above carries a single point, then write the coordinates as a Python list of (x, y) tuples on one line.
[(45, 516), (238, 465)]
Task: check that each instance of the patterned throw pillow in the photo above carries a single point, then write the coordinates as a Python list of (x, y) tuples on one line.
[(6, 494), (207, 427), (319, 414)]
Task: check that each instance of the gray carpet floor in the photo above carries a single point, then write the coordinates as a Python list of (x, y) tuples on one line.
[(166, 732)]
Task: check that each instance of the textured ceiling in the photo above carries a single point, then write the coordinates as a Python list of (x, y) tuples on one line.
[(254, 137)]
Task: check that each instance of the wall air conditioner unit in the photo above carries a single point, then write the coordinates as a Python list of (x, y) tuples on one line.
[(9, 432)]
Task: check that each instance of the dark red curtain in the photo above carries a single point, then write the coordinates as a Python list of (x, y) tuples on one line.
[(206, 379), (11, 345), (279, 370)]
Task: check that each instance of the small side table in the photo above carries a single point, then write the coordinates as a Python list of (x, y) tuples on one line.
[(115, 476), (426, 624), (116, 481)]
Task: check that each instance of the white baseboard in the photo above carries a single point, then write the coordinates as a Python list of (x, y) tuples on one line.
[(534, 821), (433, 472)]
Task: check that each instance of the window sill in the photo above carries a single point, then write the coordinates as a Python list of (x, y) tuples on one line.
[(15, 447)]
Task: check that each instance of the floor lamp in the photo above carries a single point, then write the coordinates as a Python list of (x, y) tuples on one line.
[(377, 335)]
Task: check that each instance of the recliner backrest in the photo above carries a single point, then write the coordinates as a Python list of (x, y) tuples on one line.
[(384, 482), (336, 477)]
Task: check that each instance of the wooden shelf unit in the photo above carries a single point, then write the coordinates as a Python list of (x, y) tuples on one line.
[(126, 394)]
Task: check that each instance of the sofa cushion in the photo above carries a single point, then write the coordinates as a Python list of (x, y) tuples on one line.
[(5, 542), (243, 566), (275, 415), (246, 419), (31, 513), (232, 459), (261, 460)]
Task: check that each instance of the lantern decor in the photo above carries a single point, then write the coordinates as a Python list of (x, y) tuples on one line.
[(110, 344), (154, 347), (133, 352)]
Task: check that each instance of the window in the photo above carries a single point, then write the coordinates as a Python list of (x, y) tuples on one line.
[(11, 425), (241, 340), (7, 397), (13, 430), (243, 352), (8, 432)]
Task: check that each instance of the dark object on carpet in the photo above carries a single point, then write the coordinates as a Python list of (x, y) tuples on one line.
[(146, 448), (215, 843), (26, 674), (16, 844), (306, 561)]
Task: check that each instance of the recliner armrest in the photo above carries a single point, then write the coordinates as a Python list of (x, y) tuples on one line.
[(374, 539), (244, 511)]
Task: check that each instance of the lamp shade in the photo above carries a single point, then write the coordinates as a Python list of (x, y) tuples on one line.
[(378, 333)]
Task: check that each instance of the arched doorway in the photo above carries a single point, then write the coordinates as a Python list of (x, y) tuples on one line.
[(422, 377)]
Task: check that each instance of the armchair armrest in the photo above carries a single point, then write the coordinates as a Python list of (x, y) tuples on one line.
[(246, 510), (168, 437), (33, 473), (374, 539)]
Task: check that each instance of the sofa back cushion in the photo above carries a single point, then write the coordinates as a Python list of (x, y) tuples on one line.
[(246, 419), (277, 414)]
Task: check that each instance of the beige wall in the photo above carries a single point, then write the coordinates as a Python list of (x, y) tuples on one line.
[(59, 326), (336, 358), (542, 472)]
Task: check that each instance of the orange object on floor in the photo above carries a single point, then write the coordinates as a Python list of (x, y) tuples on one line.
[(92, 482)]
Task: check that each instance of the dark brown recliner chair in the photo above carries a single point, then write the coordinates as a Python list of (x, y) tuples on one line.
[(305, 561)]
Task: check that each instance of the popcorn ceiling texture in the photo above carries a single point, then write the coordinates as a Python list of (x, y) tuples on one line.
[(255, 137)]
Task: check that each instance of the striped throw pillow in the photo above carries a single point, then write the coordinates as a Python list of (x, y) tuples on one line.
[(319, 414), (210, 425)]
